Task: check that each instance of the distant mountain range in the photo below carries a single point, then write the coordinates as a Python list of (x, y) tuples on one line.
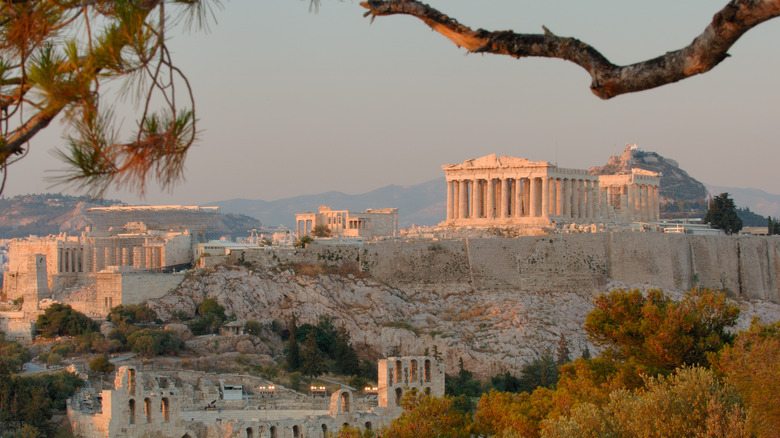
[(421, 204), (759, 201), (424, 204), (54, 213)]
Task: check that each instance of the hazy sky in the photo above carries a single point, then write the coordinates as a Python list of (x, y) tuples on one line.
[(297, 103)]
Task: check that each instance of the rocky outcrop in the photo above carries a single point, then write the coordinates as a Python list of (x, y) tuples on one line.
[(676, 184), (496, 303)]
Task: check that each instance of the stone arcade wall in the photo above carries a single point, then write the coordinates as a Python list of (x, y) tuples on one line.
[(142, 404), (745, 266)]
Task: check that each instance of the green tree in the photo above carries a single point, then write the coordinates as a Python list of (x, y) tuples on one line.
[(101, 364), (152, 342), (61, 320), (210, 315), (540, 372), (57, 58), (562, 353), (463, 383), (320, 231), (132, 314), (722, 214), (30, 400), (12, 354), (253, 327), (312, 359), (344, 354), (302, 241), (293, 351), (752, 365)]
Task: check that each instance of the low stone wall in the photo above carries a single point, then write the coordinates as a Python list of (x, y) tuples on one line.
[(17, 327), (746, 267)]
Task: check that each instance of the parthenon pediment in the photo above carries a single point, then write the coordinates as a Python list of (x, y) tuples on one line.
[(492, 161)]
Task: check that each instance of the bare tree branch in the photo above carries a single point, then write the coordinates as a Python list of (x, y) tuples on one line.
[(608, 80)]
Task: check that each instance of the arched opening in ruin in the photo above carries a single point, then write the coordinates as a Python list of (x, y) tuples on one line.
[(427, 370), (344, 402), (368, 425), (273, 432), (131, 381), (186, 435), (131, 411), (398, 395), (427, 391), (165, 408), (345, 425), (148, 409), (413, 371), (324, 430), (398, 371), (296, 432), (250, 433)]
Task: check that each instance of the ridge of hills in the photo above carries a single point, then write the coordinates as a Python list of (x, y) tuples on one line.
[(424, 204), (55, 213)]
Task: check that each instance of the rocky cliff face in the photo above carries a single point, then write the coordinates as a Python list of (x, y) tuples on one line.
[(676, 184), (492, 330), (496, 303)]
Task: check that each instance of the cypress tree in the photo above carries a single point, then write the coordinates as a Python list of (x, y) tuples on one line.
[(293, 351)]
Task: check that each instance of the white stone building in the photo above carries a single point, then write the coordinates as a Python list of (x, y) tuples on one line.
[(73, 260), (508, 191), (367, 224)]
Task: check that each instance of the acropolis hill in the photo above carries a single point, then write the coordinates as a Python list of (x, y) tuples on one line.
[(497, 303)]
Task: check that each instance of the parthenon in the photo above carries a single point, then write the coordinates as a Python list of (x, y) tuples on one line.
[(493, 190)]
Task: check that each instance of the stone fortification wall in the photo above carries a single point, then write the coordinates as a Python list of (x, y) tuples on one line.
[(126, 288), (17, 327), (744, 266)]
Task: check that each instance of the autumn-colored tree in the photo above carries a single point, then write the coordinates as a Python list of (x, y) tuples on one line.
[(752, 364), (659, 334), (512, 414), (425, 416), (689, 403)]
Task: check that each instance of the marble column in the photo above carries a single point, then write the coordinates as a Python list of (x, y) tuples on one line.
[(464, 199), (505, 193), (491, 199), (450, 202), (517, 198), (474, 213), (545, 197), (630, 202), (575, 199), (534, 195), (599, 201), (527, 197), (656, 205), (558, 197), (637, 203), (567, 197)]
